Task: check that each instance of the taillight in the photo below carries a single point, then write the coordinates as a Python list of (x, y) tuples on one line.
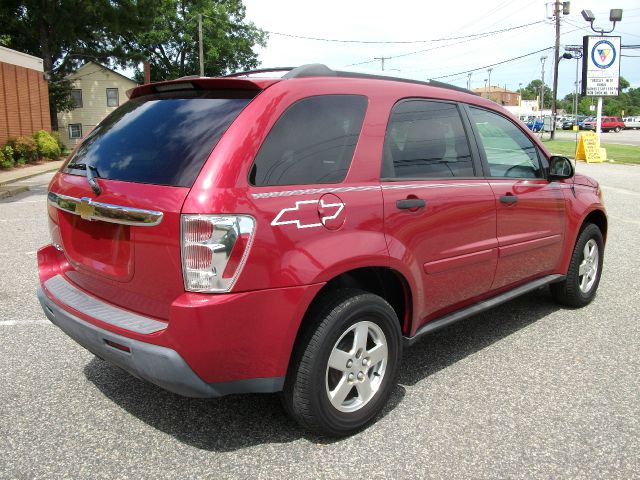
[(214, 249)]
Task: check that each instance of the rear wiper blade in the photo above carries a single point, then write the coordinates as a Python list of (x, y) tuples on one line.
[(89, 171)]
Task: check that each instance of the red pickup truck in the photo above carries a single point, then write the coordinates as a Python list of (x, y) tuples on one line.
[(294, 234)]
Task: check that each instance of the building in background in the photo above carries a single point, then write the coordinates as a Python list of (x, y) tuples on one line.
[(500, 95), (24, 95), (97, 91)]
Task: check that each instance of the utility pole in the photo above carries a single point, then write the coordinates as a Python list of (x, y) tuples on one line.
[(542, 60), (469, 81), (200, 45), (382, 59), (489, 94)]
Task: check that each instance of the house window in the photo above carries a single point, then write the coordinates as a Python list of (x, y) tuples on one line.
[(112, 97), (76, 94), (75, 130)]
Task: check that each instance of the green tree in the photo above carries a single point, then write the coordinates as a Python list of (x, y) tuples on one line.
[(170, 42), (63, 33), (533, 91), (67, 33)]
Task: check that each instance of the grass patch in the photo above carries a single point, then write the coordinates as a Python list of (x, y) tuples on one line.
[(618, 153)]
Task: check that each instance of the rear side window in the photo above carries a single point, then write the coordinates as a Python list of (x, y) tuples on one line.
[(312, 142), (426, 139), (162, 139)]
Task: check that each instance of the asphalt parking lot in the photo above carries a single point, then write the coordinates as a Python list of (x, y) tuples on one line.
[(624, 137), (527, 390)]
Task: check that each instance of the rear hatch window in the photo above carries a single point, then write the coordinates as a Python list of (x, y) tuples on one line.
[(161, 139)]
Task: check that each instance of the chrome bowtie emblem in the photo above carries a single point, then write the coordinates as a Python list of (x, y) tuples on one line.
[(85, 209)]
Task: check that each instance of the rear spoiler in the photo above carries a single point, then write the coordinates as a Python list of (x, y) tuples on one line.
[(202, 83)]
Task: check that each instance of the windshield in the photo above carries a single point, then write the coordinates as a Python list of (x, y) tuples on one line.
[(162, 139)]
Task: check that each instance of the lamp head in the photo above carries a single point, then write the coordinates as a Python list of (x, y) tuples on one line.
[(615, 14), (588, 15)]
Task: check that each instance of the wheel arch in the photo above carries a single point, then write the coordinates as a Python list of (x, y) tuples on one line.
[(386, 282), (599, 219)]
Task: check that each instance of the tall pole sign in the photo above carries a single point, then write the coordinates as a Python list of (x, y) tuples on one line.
[(600, 70)]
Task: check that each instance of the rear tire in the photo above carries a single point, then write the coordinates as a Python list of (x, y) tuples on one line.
[(581, 283), (345, 365), (617, 129)]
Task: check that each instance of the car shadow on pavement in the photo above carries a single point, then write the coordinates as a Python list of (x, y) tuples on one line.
[(445, 347), (239, 421)]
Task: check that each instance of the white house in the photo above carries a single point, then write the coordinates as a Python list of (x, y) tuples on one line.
[(97, 91)]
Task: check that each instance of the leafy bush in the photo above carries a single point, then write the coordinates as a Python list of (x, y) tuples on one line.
[(64, 150), (25, 149), (47, 145), (6, 157)]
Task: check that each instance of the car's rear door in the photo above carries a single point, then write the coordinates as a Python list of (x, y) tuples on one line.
[(440, 218), (530, 209)]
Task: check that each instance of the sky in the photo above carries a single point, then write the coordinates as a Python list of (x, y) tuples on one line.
[(491, 23)]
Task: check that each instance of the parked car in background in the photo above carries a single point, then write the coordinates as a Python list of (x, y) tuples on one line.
[(632, 123), (232, 235), (571, 121), (606, 124), (535, 124)]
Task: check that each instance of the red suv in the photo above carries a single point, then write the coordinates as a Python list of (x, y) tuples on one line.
[(228, 235), (607, 124)]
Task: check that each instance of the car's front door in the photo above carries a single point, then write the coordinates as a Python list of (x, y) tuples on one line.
[(440, 217), (530, 209)]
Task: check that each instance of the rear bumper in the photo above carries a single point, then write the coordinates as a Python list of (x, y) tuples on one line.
[(159, 365)]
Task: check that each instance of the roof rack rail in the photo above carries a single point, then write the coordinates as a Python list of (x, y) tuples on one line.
[(321, 70), (259, 70)]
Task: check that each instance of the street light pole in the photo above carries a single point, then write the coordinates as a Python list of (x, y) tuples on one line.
[(554, 113), (489, 94)]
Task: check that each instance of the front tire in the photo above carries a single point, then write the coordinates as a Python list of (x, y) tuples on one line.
[(617, 129), (345, 367), (581, 283)]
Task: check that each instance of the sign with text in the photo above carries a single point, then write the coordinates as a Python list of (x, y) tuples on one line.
[(600, 66), (589, 148)]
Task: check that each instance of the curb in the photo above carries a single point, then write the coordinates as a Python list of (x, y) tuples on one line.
[(6, 192), (31, 174)]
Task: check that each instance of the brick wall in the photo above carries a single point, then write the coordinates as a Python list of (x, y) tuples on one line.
[(24, 102)]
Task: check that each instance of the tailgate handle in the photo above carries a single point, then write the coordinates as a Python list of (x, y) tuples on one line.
[(87, 209)]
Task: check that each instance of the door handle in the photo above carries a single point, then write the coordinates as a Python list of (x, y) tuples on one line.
[(410, 203), (509, 199)]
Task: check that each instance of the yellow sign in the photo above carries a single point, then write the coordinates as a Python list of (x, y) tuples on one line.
[(589, 148)]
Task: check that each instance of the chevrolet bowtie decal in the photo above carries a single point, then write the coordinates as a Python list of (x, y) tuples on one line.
[(306, 214)]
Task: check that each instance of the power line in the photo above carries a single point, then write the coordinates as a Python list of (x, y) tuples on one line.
[(389, 42), (493, 64), (464, 40)]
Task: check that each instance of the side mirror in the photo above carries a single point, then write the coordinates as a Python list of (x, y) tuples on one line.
[(560, 168)]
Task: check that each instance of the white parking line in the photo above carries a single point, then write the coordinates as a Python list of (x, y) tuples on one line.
[(12, 323), (626, 220), (620, 190)]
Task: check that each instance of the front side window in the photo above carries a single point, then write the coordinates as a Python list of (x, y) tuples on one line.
[(426, 139), (112, 97), (75, 130), (312, 142), (76, 95), (509, 152)]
